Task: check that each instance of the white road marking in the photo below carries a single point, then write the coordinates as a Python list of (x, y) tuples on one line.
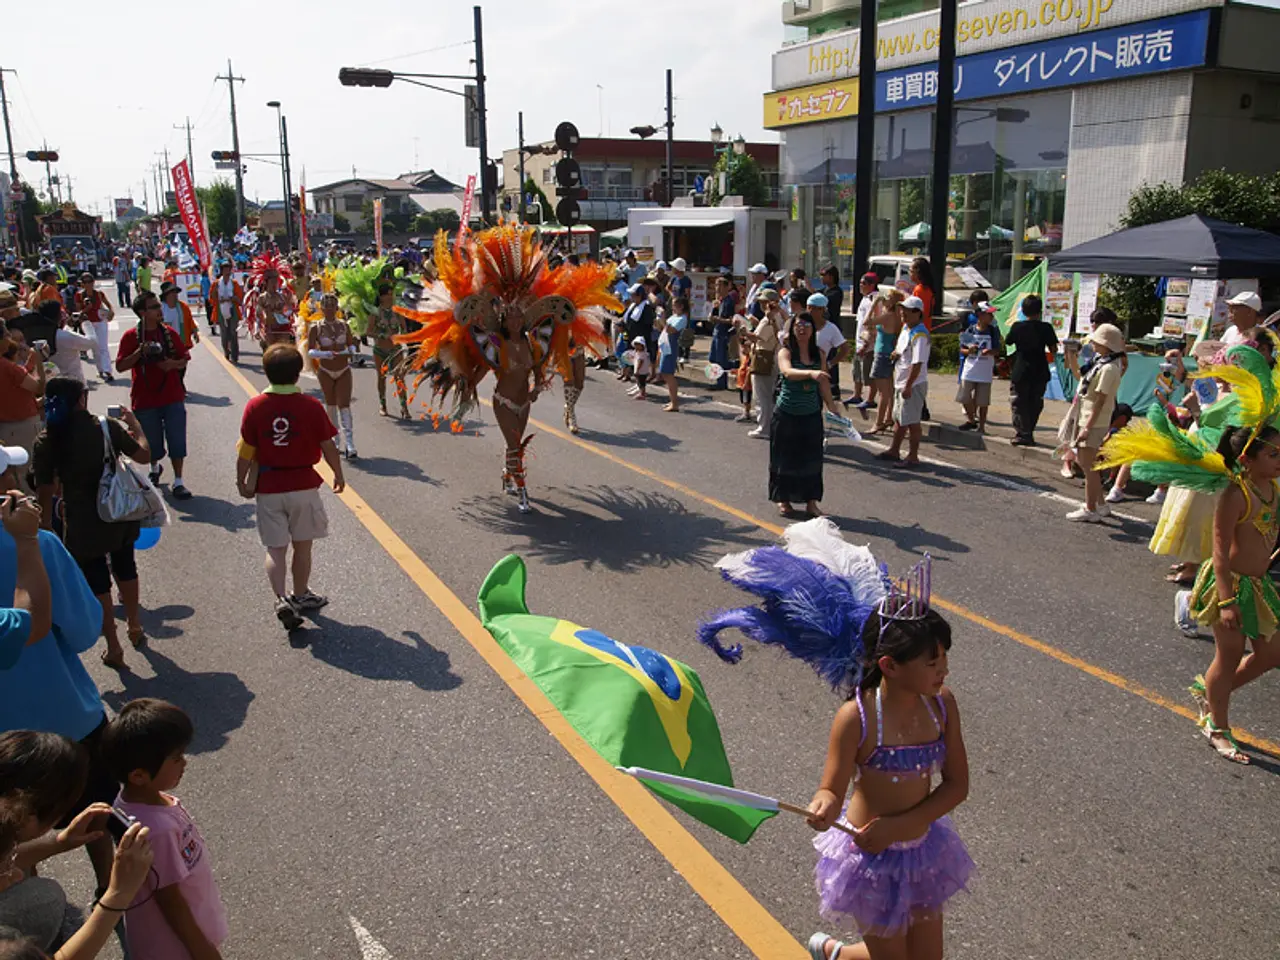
[(370, 949), (1077, 501)]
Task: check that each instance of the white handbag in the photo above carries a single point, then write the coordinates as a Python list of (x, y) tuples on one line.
[(124, 492)]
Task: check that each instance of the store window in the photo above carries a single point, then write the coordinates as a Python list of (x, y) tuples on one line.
[(1007, 190)]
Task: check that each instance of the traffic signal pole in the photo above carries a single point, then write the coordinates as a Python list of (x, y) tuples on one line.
[(486, 187), (288, 181), (13, 163)]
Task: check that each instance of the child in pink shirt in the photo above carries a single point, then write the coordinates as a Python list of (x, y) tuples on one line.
[(178, 913)]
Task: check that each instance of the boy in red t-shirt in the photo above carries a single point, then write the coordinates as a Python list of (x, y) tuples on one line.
[(284, 433)]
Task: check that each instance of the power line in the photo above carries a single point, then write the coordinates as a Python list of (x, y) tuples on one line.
[(418, 53)]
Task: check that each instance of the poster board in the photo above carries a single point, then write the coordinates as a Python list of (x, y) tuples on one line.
[(1059, 302), (1088, 285), (190, 284), (1201, 299), (1177, 295), (701, 294)]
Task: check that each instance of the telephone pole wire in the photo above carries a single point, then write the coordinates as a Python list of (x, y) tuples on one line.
[(191, 162), (232, 80)]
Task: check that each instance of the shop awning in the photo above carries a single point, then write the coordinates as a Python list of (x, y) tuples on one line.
[(716, 222), (1193, 246)]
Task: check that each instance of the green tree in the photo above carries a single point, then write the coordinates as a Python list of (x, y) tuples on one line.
[(341, 224), (1250, 201), (219, 202), (745, 180), (426, 224)]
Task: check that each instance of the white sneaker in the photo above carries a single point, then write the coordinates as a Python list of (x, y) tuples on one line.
[(1104, 509), (1117, 495), (1084, 515), (1156, 498), (757, 433), (1182, 618)]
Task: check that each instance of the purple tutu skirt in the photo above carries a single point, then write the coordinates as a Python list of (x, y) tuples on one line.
[(883, 892)]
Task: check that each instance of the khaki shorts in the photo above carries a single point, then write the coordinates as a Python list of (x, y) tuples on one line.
[(907, 412), (292, 517), (1097, 436), (979, 394)]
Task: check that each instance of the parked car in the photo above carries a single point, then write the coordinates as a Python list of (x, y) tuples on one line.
[(894, 272)]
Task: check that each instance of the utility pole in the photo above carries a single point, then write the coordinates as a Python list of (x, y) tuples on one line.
[(232, 80), (671, 126), (168, 171), (524, 212), (943, 138), (486, 189), (288, 181), (866, 153), (191, 163), (71, 196), (48, 175), (13, 165)]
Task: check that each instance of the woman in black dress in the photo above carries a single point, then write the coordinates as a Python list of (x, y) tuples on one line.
[(795, 447), (69, 454)]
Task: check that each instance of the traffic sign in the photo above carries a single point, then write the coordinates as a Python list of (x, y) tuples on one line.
[(568, 212), (567, 136)]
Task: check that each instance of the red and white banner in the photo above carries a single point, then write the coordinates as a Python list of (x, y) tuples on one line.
[(185, 196), (123, 206), (466, 205), (377, 224), (302, 222)]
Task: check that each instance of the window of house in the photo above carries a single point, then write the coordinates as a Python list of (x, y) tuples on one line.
[(352, 203)]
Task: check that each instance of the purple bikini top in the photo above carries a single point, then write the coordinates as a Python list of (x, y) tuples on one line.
[(924, 759)]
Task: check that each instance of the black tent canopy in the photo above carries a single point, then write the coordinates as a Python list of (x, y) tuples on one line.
[(1193, 246)]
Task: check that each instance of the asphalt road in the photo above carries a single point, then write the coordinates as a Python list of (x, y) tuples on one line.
[(376, 790)]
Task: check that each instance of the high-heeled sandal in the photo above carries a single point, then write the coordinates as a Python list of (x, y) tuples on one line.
[(137, 637)]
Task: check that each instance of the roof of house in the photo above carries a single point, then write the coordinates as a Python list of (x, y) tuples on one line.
[(438, 201), (389, 186), (273, 205), (428, 181)]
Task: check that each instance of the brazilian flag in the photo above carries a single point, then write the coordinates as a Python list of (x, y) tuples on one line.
[(636, 707)]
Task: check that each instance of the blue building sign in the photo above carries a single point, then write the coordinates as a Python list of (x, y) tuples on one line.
[(1172, 43)]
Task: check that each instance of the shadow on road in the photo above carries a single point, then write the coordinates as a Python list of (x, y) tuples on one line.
[(201, 400), (217, 702), (635, 440), (910, 537), (215, 512), (155, 621), (386, 467), (621, 529), (370, 653)]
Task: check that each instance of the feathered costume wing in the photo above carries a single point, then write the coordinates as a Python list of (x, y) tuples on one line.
[(356, 284), (1161, 452), (259, 267), (816, 594), (480, 282)]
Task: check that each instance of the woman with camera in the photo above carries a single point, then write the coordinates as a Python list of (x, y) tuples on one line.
[(69, 456), (21, 385)]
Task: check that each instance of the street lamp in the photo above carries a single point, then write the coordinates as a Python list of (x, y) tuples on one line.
[(284, 174), (739, 145), (716, 135), (645, 132)]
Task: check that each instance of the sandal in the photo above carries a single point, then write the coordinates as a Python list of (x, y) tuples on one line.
[(1222, 741), (889, 456), (1199, 695), (784, 510), (111, 664), (818, 947), (908, 464), (812, 512), (137, 637)]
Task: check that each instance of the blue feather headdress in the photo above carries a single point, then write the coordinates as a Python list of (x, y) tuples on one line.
[(817, 593)]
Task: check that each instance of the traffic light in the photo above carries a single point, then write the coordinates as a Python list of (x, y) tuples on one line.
[(489, 177), (225, 155), (568, 177), (42, 156), (361, 77)]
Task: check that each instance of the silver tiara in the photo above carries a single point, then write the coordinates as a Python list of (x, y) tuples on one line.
[(908, 598)]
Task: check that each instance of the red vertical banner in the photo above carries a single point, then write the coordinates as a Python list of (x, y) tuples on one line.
[(377, 224), (466, 205), (185, 195), (302, 222)]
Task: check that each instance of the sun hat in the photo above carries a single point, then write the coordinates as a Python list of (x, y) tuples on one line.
[(1108, 335), (12, 457), (769, 295), (640, 342), (679, 264), (1247, 299), (661, 265), (816, 300), (913, 303)]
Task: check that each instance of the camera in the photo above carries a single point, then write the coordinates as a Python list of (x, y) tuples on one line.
[(151, 349), (1167, 369), (41, 347), (115, 411)]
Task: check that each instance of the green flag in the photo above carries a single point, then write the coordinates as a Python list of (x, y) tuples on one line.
[(634, 706), (1007, 302)]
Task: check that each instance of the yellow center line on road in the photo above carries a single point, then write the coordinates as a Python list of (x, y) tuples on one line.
[(1093, 670), (758, 929)]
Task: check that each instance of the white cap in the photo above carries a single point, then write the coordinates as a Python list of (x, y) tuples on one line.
[(679, 264), (639, 342), (759, 268), (1247, 299), (628, 253), (12, 457), (634, 289), (661, 265), (913, 303)]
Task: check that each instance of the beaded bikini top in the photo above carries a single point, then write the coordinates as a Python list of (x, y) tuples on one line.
[(924, 759)]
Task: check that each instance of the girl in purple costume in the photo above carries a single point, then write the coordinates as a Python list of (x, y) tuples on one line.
[(899, 728)]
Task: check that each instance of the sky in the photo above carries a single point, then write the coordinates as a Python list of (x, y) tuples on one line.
[(114, 88)]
